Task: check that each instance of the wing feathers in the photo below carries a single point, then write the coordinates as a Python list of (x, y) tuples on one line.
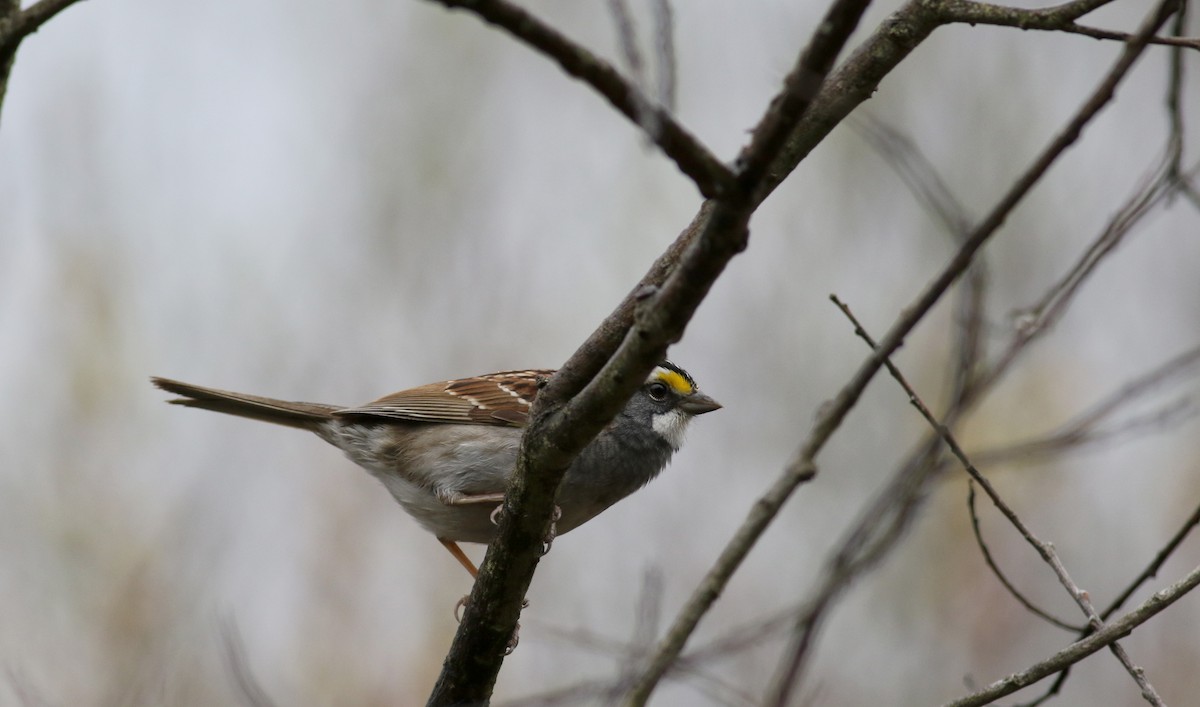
[(495, 399)]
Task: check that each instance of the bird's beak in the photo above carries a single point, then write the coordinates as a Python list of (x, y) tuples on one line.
[(698, 404)]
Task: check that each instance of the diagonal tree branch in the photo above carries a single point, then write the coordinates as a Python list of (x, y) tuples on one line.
[(999, 574), (597, 380), (1044, 549), (882, 523), (1146, 575), (800, 88), (1054, 19), (563, 422), (1083, 648), (709, 174), (17, 24)]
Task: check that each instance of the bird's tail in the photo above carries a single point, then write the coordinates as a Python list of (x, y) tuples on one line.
[(281, 412)]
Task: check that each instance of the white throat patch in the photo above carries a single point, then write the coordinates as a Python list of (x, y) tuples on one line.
[(671, 425)]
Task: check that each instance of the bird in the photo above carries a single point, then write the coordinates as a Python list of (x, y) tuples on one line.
[(446, 450)]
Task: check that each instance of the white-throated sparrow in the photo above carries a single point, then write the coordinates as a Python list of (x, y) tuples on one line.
[(445, 450)]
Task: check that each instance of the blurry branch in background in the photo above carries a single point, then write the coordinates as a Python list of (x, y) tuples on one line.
[(17, 24), (1033, 320), (25, 693), (664, 51), (1086, 429), (590, 388), (664, 55), (999, 574), (927, 187), (707, 172), (1174, 103), (1147, 574), (885, 519), (1044, 549), (1096, 425), (632, 55), (1083, 648), (247, 685)]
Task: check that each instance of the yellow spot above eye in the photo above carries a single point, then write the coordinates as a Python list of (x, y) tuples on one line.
[(678, 383)]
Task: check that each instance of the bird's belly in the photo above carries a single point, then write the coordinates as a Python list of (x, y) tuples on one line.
[(466, 523)]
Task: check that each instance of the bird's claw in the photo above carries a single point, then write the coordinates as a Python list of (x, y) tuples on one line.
[(513, 640), (553, 531)]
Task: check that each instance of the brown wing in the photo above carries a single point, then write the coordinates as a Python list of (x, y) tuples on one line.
[(494, 399)]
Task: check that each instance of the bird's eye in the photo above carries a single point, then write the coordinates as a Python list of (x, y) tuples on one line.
[(657, 391)]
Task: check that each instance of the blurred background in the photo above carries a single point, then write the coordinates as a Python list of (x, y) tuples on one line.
[(333, 201)]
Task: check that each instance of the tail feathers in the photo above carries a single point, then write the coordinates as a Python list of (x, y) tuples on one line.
[(281, 412)]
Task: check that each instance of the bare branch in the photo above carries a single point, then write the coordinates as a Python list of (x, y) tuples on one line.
[(239, 667), (664, 45), (800, 88), (1147, 574), (17, 24), (991, 563), (709, 174), (1044, 549), (916, 172), (1097, 33), (803, 468), (10, 10), (627, 42), (880, 526), (1174, 99), (1035, 320), (560, 427), (1054, 19), (1085, 428), (1081, 649), (922, 179), (1155, 565), (1046, 18)]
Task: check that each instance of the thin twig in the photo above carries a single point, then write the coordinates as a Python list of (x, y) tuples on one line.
[(915, 171), (17, 24), (1085, 428), (1081, 649), (1174, 98), (1097, 33), (1060, 18), (991, 563), (239, 666), (1033, 321), (16, 27), (1146, 575), (882, 522), (800, 87), (1044, 549), (931, 191), (709, 174), (664, 45), (803, 467), (1155, 565), (685, 671), (628, 44)]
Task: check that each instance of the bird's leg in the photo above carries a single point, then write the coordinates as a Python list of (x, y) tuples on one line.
[(460, 556), (457, 499), (462, 603)]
